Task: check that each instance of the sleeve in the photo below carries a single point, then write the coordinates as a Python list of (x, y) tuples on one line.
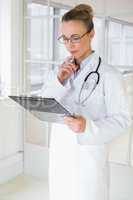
[(52, 88), (117, 119)]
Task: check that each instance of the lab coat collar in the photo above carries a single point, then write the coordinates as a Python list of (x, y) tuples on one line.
[(90, 61), (88, 64)]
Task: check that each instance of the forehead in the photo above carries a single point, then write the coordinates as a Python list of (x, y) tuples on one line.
[(72, 27)]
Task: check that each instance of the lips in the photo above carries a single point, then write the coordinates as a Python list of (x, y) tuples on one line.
[(73, 52)]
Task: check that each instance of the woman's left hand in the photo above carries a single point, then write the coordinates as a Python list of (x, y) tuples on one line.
[(76, 123)]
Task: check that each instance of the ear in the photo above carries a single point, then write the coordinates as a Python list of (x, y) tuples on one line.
[(92, 33)]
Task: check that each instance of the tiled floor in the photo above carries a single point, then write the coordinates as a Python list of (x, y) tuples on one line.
[(24, 188)]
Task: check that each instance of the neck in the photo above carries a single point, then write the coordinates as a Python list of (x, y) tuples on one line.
[(80, 59)]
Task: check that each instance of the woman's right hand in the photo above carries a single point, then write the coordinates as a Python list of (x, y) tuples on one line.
[(66, 69)]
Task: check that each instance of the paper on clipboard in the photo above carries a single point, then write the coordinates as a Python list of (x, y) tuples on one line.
[(46, 109)]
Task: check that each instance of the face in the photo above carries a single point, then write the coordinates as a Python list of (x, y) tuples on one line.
[(81, 49)]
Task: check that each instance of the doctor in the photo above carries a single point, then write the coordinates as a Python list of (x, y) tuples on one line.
[(94, 92)]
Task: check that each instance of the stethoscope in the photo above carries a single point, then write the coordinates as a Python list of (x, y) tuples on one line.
[(89, 84)]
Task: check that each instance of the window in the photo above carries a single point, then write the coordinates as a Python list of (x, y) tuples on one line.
[(42, 50), (120, 43), (39, 32)]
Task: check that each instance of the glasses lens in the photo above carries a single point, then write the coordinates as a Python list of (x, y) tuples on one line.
[(75, 39), (62, 39)]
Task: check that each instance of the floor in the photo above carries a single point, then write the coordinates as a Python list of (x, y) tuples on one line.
[(27, 187), (24, 188)]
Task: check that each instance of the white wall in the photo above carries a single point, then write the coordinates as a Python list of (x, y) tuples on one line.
[(11, 126), (11, 140), (5, 44), (122, 9), (36, 131), (121, 156)]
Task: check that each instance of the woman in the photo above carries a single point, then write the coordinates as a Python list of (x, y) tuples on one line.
[(100, 113)]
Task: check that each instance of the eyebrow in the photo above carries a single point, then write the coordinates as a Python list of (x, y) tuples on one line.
[(72, 35)]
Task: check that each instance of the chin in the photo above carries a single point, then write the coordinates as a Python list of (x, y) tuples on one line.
[(76, 56)]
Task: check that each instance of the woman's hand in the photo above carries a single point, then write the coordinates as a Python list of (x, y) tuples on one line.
[(67, 69), (76, 123)]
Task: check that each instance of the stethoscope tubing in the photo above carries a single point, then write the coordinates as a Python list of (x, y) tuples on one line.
[(98, 79)]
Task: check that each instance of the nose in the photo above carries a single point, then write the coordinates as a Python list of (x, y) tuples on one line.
[(69, 44), (70, 47)]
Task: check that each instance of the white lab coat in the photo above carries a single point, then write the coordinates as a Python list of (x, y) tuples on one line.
[(82, 158)]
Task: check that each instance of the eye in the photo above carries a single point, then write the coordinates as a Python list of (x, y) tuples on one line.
[(62, 39), (75, 38)]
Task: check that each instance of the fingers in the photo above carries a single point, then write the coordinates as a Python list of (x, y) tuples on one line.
[(70, 59), (76, 124), (71, 123), (70, 66), (67, 69), (69, 120)]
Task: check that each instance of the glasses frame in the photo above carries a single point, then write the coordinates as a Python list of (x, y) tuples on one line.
[(70, 39)]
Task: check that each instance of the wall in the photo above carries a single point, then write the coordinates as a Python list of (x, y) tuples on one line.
[(121, 156), (11, 140), (11, 73), (120, 9)]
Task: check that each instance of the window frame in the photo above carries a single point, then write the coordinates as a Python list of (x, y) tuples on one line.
[(123, 24), (56, 7)]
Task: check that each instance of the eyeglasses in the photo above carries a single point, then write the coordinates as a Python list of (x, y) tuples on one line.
[(74, 39)]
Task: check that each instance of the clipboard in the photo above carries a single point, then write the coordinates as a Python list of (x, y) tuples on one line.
[(45, 109)]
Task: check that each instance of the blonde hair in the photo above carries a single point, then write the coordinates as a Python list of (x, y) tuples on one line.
[(81, 12)]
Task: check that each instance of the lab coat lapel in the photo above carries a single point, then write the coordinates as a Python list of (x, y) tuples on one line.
[(91, 66)]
